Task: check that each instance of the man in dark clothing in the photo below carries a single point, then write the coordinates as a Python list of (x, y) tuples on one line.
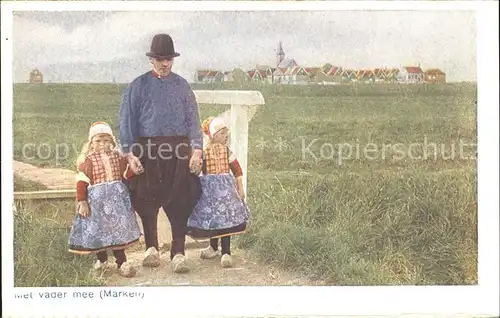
[(160, 130)]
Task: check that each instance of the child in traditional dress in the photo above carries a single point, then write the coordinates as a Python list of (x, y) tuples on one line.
[(221, 210), (105, 219)]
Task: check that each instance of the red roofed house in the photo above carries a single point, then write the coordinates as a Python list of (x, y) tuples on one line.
[(334, 73), (317, 75), (252, 75), (265, 72), (389, 75), (379, 75), (258, 75), (365, 75), (208, 76), (312, 72), (411, 74), (434, 76), (296, 75), (348, 75)]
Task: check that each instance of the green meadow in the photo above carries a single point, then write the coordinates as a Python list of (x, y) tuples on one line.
[(350, 184)]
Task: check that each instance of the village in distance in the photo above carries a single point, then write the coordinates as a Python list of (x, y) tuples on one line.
[(288, 71)]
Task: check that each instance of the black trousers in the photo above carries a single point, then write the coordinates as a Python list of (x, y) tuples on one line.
[(148, 211), (168, 183)]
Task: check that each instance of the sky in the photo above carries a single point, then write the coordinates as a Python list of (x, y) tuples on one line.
[(102, 46)]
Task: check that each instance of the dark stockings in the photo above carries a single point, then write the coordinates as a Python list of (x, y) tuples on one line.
[(225, 243), (118, 254)]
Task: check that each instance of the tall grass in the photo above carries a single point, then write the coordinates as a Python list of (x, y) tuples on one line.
[(41, 257), (348, 229), (345, 220)]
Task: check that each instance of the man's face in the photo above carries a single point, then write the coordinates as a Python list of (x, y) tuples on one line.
[(162, 66)]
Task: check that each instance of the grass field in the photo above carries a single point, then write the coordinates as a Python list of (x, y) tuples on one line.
[(41, 257), (370, 184)]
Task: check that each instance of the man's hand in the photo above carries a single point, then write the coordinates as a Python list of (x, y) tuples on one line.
[(83, 209), (196, 162), (138, 170), (134, 163)]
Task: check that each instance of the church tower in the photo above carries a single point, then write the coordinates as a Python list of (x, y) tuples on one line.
[(280, 54)]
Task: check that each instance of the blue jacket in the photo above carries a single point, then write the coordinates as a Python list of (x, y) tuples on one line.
[(154, 106)]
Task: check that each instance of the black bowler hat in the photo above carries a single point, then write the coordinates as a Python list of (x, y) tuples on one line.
[(162, 47)]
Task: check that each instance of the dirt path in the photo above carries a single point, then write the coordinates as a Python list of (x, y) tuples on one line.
[(52, 178), (246, 269)]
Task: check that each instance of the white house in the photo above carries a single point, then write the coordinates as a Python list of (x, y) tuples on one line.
[(410, 75)]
